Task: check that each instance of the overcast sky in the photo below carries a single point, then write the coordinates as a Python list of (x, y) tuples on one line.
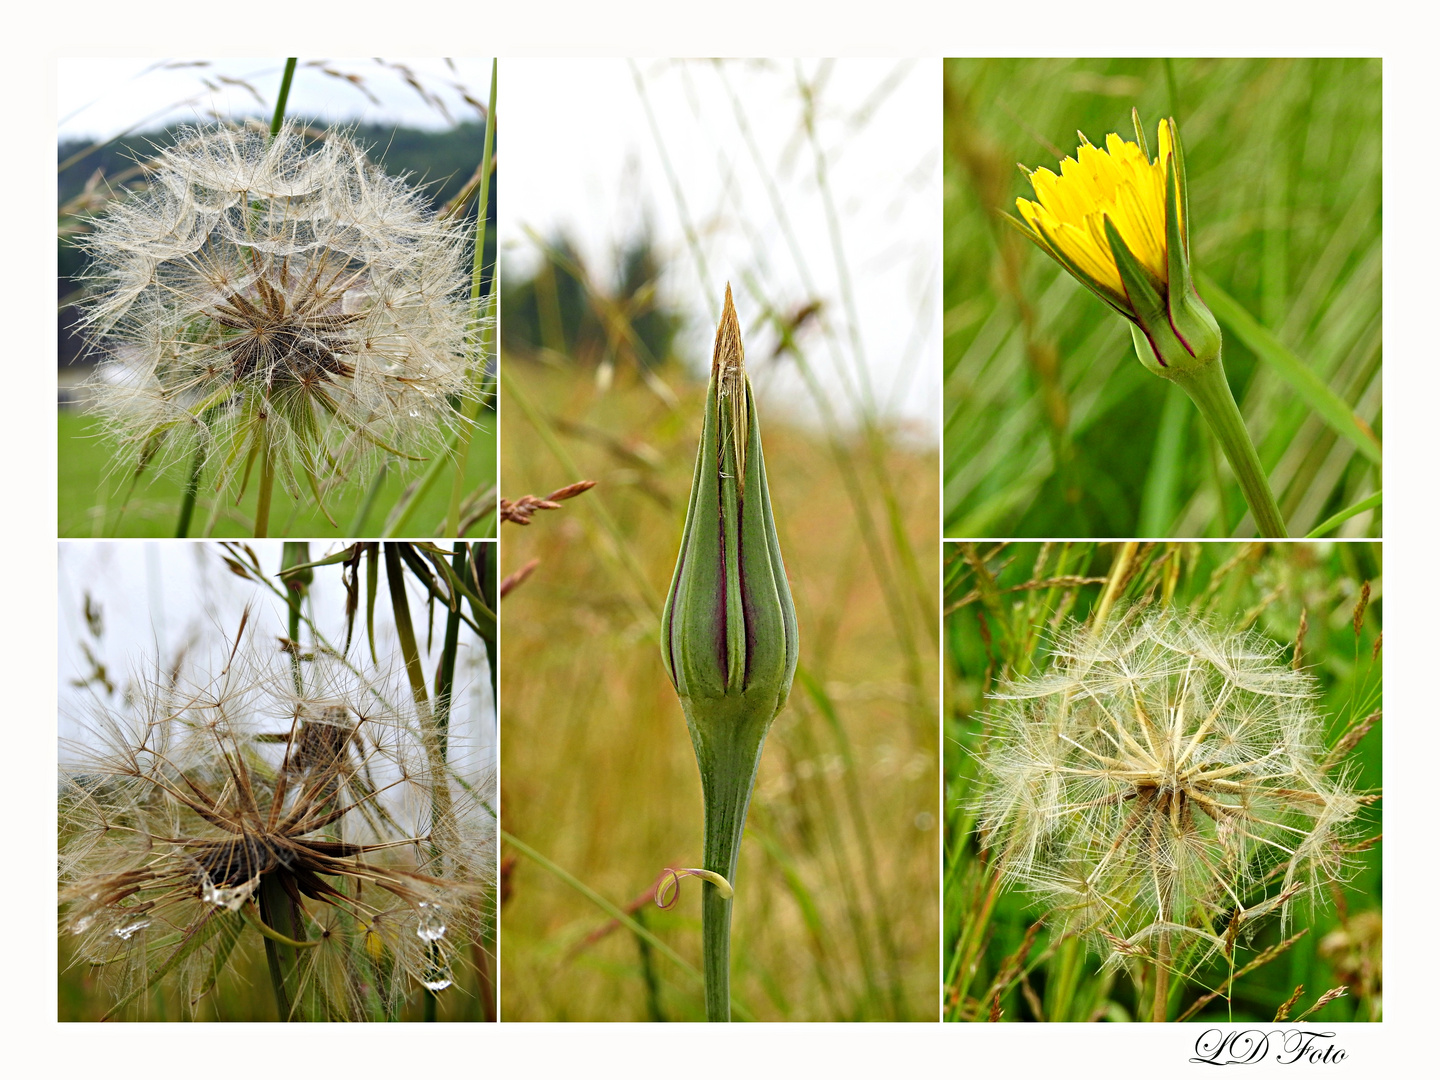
[(100, 97), (580, 155)]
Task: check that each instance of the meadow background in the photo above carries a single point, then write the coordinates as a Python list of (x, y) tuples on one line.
[(1003, 604), (1052, 427), (607, 327), (423, 121)]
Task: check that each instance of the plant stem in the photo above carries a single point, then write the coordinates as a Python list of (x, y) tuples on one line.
[(477, 370), (267, 486), (1162, 979), (267, 465), (1210, 391), (187, 502), (282, 97), (357, 523), (295, 553), (445, 673), (276, 910), (1162, 964), (729, 757)]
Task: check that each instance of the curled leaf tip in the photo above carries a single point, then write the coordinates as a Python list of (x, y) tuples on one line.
[(667, 889)]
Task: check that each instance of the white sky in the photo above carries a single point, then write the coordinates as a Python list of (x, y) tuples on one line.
[(580, 155), (100, 97)]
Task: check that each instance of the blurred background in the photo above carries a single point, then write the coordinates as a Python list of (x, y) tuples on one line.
[(813, 189), (419, 118), (1003, 605), (1052, 427), (127, 611)]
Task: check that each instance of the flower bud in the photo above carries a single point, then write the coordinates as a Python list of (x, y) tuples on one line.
[(728, 633)]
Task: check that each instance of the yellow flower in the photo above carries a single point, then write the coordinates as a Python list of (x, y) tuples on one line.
[(1119, 182), (1119, 223)]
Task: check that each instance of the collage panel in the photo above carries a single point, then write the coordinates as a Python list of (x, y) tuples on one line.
[(1163, 780), (709, 249), (1213, 225), (277, 785), (274, 319)]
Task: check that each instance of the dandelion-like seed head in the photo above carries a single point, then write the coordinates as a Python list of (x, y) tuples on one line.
[(283, 294), (176, 811), (1166, 777)]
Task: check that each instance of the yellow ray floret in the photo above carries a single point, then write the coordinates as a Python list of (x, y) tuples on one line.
[(1117, 182)]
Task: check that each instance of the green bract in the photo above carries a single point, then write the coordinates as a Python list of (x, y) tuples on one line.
[(1173, 329), (728, 634)]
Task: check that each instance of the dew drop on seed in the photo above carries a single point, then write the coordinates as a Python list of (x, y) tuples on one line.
[(231, 898), (436, 984), (431, 926), (125, 933), (82, 924), (415, 414)]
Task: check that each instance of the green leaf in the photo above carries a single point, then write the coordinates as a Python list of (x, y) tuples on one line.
[(1343, 516), (1330, 406)]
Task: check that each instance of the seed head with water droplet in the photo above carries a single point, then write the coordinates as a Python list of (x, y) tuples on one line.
[(184, 814)]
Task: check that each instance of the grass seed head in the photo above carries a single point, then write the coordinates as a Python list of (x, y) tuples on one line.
[(280, 293), (1164, 777)]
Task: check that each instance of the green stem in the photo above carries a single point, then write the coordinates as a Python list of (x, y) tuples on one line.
[(187, 503), (267, 463), (295, 553), (728, 754), (445, 674), (282, 97), (404, 628), (1162, 972), (1210, 391), (277, 912), (357, 524), (477, 370), (267, 486)]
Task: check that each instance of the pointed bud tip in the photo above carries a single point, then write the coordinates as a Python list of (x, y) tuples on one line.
[(728, 364)]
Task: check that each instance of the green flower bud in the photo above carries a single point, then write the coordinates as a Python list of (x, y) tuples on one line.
[(728, 634)]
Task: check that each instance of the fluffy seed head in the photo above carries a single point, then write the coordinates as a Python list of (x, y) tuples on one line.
[(177, 809), (1164, 776), (282, 293)]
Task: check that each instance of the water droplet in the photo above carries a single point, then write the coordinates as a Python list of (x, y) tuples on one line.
[(230, 898), (415, 414), (436, 984), (431, 926), (125, 933), (82, 924)]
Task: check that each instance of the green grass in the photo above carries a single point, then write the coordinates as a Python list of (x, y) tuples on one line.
[(999, 625), (1052, 427), (94, 502)]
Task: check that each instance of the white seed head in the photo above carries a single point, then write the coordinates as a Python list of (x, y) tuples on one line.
[(283, 289), (1163, 775), (176, 808)]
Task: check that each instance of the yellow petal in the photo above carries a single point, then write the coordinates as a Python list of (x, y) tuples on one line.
[(1116, 181)]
